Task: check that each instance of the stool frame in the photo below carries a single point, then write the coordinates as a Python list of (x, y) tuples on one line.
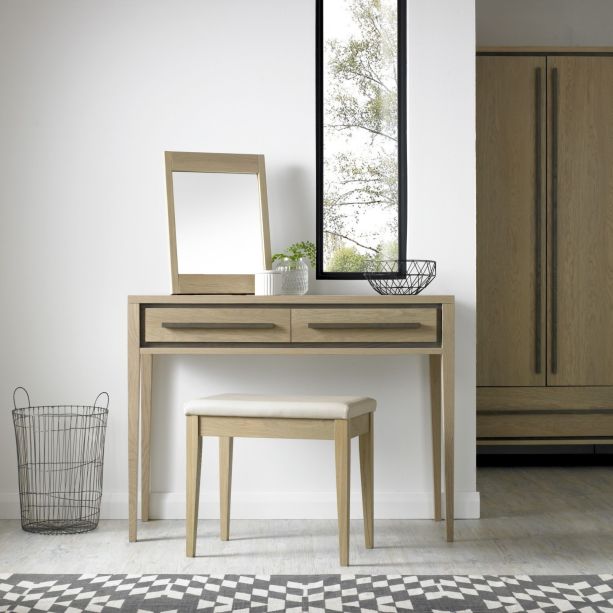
[(341, 431)]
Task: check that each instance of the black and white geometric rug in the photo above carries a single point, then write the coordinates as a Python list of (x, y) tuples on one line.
[(316, 594)]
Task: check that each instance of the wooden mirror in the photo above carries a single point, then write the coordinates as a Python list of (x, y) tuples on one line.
[(218, 221)]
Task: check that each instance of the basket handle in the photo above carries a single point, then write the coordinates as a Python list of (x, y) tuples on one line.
[(25, 391), (107, 399)]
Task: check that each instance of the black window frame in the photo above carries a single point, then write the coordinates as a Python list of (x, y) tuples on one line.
[(402, 142)]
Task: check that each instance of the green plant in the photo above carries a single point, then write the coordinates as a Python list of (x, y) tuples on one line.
[(304, 249), (347, 259)]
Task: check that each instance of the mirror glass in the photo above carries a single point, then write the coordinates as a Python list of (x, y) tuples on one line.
[(218, 223)]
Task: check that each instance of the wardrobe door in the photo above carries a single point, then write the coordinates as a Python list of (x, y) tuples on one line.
[(511, 199), (580, 224)]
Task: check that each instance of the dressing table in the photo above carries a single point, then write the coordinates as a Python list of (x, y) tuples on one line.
[(290, 325), (219, 235)]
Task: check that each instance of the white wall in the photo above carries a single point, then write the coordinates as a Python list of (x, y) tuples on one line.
[(92, 94), (545, 22)]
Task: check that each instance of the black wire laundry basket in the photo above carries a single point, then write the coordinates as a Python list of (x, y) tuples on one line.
[(60, 455)]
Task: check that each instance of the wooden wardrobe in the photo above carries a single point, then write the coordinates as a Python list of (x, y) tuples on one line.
[(544, 246)]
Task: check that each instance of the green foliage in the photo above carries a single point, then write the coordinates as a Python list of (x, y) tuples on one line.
[(347, 259), (304, 249)]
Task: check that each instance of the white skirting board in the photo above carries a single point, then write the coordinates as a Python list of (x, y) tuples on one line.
[(276, 505)]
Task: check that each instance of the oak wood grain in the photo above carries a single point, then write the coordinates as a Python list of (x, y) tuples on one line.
[(366, 447), (342, 452), (576, 398), (193, 471), (506, 220), (485, 442), (436, 418), (339, 430), (269, 427), (304, 332), (584, 222), (551, 425), (215, 284), (359, 425), (289, 349), (187, 161), (155, 331), (145, 438), (184, 161), (133, 414), (448, 410), (138, 346), (305, 300), (543, 49), (226, 447)]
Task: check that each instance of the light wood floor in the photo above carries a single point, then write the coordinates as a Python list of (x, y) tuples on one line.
[(534, 521)]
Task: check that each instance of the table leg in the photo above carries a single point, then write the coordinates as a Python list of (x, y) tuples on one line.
[(133, 410), (145, 436), (448, 397), (435, 409)]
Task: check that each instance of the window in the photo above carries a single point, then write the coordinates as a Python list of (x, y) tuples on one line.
[(361, 135)]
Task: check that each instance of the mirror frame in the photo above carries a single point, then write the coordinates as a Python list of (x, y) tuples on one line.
[(232, 163)]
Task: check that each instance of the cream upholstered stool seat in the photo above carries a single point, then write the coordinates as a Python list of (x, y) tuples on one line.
[(337, 418)]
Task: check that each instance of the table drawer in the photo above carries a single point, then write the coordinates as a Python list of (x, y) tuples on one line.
[(217, 325), (540, 425), (365, 325)]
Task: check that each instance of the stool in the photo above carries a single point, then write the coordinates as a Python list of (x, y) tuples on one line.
[(337, 418)]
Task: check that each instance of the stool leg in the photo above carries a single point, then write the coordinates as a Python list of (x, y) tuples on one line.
[(342, 446), (194, 457), (226, 444), (367, 472)]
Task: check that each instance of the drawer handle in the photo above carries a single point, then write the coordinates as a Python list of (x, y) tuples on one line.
[(364, 326), (538, 174), (554, 221), (217, 325)]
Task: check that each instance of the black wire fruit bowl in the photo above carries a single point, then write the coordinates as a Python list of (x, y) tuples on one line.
[(400, 277)]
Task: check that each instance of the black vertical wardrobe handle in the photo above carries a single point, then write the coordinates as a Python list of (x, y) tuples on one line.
[(554, 220), (537, 221)]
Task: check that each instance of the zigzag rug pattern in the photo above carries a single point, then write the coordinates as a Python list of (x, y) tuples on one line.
[(161, 593)]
